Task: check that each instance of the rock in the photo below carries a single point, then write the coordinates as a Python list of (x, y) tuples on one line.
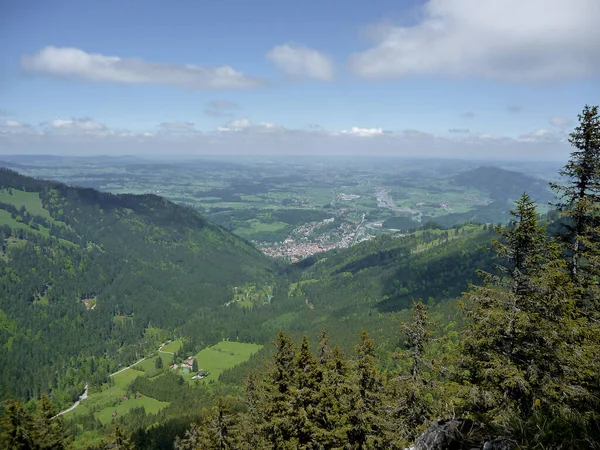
[(459, 434)]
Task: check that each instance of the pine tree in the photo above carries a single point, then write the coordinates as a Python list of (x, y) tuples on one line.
[(17, 426), (522, 247), (412, 411), (158, 363), (417, 332), (368, 416), (49, 430), (219, 429), (119, 441), (335, 395), (308, 378), (278, 400), (580, 195), (514, 345)]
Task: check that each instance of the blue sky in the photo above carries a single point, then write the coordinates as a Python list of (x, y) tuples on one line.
[(437, 77)]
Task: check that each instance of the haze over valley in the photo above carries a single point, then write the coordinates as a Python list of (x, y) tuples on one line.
[(301, 225)]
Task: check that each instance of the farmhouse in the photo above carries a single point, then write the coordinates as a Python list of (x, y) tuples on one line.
[(189, 362)]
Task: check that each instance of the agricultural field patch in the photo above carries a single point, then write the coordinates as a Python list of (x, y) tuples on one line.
[(222, 356)]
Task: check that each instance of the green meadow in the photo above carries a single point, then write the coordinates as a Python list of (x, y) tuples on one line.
[(224, 355), (214, 359), (30, 200)]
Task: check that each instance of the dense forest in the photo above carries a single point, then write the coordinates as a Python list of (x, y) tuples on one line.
[(514, 363), (100, 279)]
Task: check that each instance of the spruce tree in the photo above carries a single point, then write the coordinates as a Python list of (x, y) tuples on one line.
[(411, 408), (278, 400), (308, 378), (119, 440), (335, 397), (579, 197), (219, 429), (515, 344), (49, 430), (17, 427), (369, 414)]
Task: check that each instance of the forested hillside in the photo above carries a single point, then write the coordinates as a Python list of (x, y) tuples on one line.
[(90, 280), (494, 330)]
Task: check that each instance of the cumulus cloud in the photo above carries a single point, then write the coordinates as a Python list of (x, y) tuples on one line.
[(83, 124), (467, 115), (220, 108), (73, 136), (301, 61), (363, 132), (14, 127), (560, 122), (540, 135), (236, 125), (245, 125), (66, 62), (513, 40), (13, 124)]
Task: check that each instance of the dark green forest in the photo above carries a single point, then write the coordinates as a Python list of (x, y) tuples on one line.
[(495, 325)]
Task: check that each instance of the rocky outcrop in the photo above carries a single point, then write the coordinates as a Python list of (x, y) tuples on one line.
[(459, 434)]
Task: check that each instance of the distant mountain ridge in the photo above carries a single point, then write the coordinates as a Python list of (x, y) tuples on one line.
[(504, 185)]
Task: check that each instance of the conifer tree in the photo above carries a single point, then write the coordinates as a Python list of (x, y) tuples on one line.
[(308, 378), (335, 395), (278, 400), (368, 416), (417, 332), (119, 441), (580, 195), (412, 411), (49, 430), (17, 427), (219, 429), (514, 345)]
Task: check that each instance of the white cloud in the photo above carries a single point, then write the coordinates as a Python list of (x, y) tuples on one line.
[(301, 61), (269, 125), (560, 122), (363, 132), (65, 62), (14, 127), (74, 136), (540, 135), (83, 124), (516, 40), (13, 124), (236, 125), (247, 126)]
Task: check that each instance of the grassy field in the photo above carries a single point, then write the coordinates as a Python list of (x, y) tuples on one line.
[(255, 226), (224, 355), (6, 219), (173, 346), (151, 406), (31, 201), (214, 359)]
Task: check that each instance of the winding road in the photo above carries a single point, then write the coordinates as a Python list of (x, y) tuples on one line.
[(76, 404), (85, 392)]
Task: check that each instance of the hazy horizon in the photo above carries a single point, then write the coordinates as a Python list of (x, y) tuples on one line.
[(436, 78)]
